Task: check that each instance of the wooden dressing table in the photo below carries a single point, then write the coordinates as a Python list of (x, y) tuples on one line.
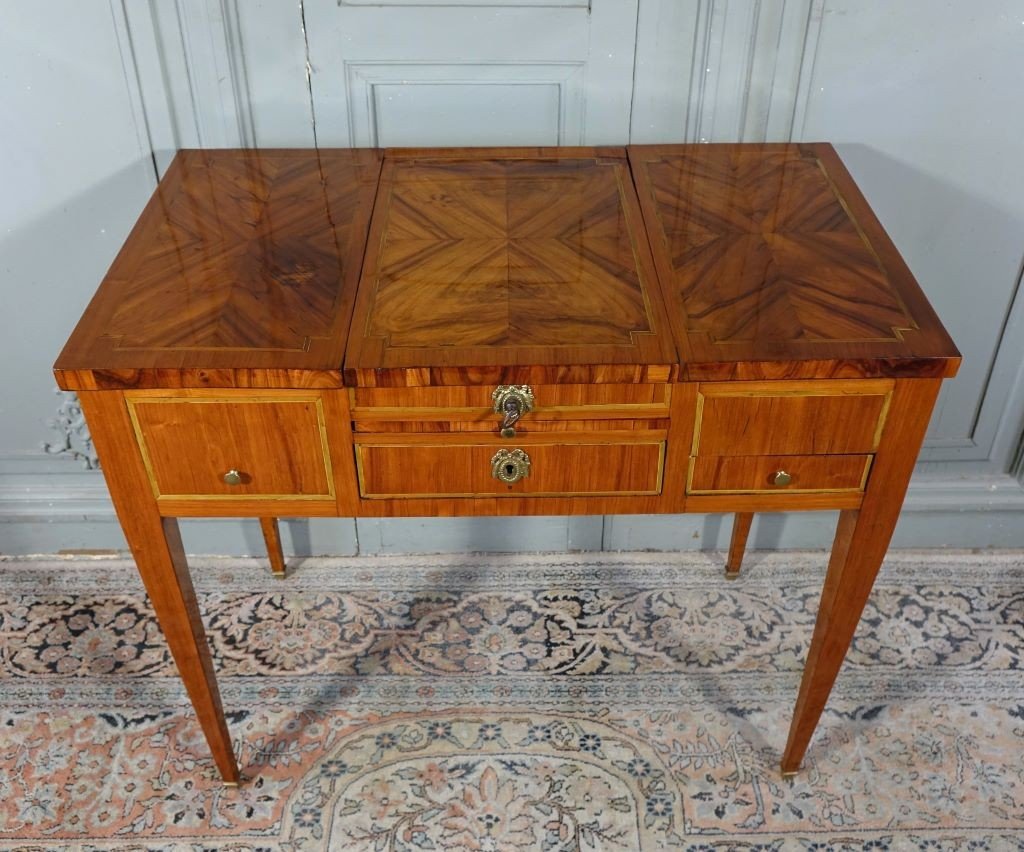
[(714, 328)]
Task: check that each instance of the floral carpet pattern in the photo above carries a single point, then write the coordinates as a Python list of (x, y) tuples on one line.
[(529, 702)]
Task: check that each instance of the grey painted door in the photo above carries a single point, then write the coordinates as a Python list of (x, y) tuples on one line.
[(471, 73)]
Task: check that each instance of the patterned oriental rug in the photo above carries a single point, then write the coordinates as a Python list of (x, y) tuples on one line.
[(551, 702)]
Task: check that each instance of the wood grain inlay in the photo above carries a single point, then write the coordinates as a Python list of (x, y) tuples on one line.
[(241, 259), (491, 259), (507, 253), (764, 248), (770, 252)]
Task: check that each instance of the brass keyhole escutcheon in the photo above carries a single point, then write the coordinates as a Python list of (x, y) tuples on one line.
[(511, 402), (509, 466), (781, 478)]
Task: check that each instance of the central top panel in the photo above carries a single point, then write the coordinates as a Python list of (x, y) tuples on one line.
[(507, 265)]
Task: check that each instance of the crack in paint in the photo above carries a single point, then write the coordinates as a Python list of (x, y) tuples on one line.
[(309, 72)]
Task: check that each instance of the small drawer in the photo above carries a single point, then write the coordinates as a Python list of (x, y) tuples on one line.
[(777, 474), (790, 418), (537, 470), (228, 447), (548, 406)]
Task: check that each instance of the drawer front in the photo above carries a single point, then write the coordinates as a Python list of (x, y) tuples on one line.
[(777, 474), (489, 427), (454, 470), (276, 446), (790, 418), (471, 407)]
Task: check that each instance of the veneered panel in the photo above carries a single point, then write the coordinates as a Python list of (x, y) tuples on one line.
[(277, 446), (747, 419), (749, 474), (241, 268), (769, 254), (505, 258), (452, 470)]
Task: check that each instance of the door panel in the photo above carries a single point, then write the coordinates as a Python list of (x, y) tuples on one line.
[(486, 73)]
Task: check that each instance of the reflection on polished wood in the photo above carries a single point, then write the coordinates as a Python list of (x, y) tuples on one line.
[(488, 259), (737, 334), (773, 265), (243, 262)]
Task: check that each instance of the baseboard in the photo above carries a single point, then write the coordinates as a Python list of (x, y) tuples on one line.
[(68, 512)]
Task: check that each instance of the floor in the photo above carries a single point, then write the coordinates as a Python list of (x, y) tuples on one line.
[(528, 702)]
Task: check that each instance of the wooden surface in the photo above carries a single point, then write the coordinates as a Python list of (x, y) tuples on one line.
[(156, 547), (242, 262), (717, 474), (492, 259), (737, 543), (558, 470), (773, 265), (748, 419), (862, 539), (272, 538), (275, 441), (795, 340)]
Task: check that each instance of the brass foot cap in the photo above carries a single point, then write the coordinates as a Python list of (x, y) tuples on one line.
[(732, 575), (281, 575), (792, 773)]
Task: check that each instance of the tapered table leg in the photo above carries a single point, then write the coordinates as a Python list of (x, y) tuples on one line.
[(862, 539), (740, 530), (156, 545), (272, 537)]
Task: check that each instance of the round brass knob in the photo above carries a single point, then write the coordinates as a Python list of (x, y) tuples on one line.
[(510, 466), (233, 477), (780, 478)]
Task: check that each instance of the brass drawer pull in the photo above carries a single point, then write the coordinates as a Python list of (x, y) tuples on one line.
[(511, 402), (510, 466), (233, 477), (781, 478)]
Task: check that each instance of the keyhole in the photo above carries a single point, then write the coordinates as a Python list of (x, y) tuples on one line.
[(510, 470)]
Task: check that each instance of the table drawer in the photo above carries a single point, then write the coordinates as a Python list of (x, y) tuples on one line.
[(777, 474), (471, 407), (467, 470), (233, 447), (790, 418)]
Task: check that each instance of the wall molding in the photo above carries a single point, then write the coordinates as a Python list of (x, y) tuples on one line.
[(190, 62), (68, 509), (751, 66), (362, 78)]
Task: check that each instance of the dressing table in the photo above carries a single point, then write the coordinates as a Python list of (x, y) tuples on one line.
[(507, 331)]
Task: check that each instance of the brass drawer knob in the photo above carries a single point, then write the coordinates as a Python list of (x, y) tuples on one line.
[(510, 466), (233, 477), (511, 402), (781, 478)]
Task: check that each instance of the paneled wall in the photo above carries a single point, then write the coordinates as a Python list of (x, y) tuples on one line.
[(921, 98)]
